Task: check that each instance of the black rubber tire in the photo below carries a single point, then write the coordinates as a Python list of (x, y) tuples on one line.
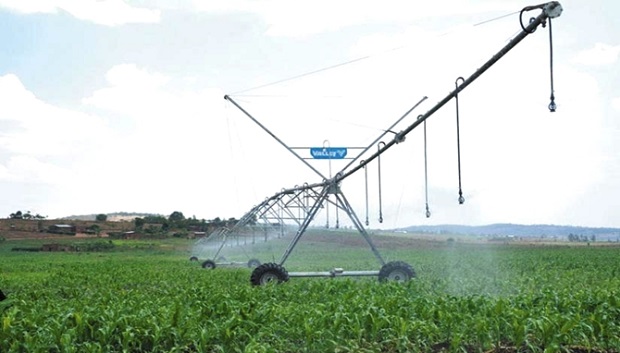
[(398, 271), (253, 263), (208, 265), (193, 258), (267, 273)]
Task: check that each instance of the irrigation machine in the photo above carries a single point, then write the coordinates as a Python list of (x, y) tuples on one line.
[(288, 214)]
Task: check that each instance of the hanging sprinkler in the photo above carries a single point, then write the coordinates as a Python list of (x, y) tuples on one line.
[(365, 188), (380, 145), (428, 211), (552, 10), (458, 137), (552, 105)]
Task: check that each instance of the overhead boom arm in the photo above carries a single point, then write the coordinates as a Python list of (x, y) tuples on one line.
[(549, 10)]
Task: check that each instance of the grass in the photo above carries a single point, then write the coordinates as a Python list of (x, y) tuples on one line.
[(145, 296)]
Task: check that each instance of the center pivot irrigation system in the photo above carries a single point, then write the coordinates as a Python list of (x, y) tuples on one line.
[(299, 205)]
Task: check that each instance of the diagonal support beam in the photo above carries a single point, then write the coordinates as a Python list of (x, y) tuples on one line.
[(227, 97)]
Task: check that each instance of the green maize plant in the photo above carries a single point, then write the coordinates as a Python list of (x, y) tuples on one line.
[(466, 298)]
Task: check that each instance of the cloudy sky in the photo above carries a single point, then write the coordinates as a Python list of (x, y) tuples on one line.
[(113, 105)]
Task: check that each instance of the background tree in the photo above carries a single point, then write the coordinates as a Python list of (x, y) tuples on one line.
[(177, 220), (154, 219), (139, 222), (95, 229), (16, 215), (101, 217), (217, 221), (176, 217)]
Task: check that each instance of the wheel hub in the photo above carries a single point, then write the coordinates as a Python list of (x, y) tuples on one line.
[(268, 277)]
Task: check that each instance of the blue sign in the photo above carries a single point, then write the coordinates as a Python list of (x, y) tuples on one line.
[(328, 152)]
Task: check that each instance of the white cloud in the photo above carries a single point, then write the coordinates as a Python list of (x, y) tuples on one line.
[(167, 144), (103, 12), (159, 110), (41, 141), (172, 153), (28, 169), (150, 98), (600, 54), (43, 129), (130, 75), (295, 19), (132, 91), (615, 103), (30, 6)]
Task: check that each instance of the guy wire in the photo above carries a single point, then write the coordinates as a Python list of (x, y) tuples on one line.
[(353, 60)]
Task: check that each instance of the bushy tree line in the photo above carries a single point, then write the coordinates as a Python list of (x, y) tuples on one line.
[(177, 221), (25, 215), (581, 238), (157, 225)]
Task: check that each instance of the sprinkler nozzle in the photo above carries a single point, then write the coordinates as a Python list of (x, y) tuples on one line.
[(552, 105)]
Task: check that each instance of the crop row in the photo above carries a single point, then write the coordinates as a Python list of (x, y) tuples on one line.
[(464, 300)]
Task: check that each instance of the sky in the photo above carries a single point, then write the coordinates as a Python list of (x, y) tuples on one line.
[(118, 106)]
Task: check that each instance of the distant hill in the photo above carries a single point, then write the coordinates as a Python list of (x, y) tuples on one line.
[(116, 216), (518, 230)]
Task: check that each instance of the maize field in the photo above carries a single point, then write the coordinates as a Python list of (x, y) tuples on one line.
[(465, 298)]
